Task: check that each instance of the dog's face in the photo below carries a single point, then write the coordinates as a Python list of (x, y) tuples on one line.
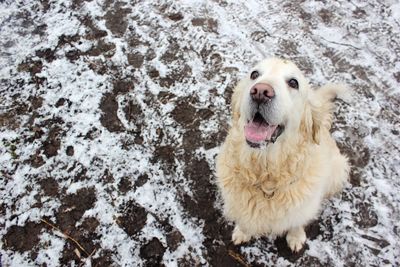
[(270, 101)]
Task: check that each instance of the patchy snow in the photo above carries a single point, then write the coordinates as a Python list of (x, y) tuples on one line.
[(111, 115)]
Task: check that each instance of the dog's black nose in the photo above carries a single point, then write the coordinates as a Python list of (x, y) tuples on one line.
[(262, 92)]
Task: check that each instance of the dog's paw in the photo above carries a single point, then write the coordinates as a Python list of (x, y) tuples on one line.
[(238, 237), (296, 238)]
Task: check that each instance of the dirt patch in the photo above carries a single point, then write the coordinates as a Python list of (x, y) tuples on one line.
[(93, 32), (175, 16), (141, 180), (340, 63), (36, 102), (33, 67), (259, 36), (284, 251), (99, 66), (153, 73), (107, 177), (89, 225), (109, 118), (133, 219), (190, 117), (86, 235), (380, 242), (70, 151), (53, 142), (80, 171), (207, 24), (174, 238), (359, 13), (105, 259), (165, 154), (73, 54), (179, 70), (198, 172), (165, 97), (36, 160), (178, 74), (78, 3), (102, 48), (288, 47), (366, 217), (136, 40), (310, 261), (73, 207), (153, 252), (184, 112), (173, 52), (116, 20), (215, 139), (123, 86), (359, 156), (125, 185), (133, 113), (150, 54), (47, 54), (192, 139), (220, 250), (326, 15), (10, 117), (49, 186), (62, 101), (136, 59), (22, 238)]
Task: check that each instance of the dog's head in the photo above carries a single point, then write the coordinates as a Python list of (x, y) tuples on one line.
[(271, 103)]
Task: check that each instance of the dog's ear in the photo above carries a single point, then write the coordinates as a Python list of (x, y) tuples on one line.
[(311, 124), (235, 101), (317, 115)]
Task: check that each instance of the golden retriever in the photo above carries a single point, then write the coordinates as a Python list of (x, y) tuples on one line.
[(279, 160)]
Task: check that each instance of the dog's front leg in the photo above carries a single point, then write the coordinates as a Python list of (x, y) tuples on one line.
[(295, 238), (239, 237)]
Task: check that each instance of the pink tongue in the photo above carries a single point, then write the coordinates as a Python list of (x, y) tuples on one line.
[(256, 133)]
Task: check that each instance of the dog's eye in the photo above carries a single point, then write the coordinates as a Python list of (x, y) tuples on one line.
[(293, 83), (254, 75)]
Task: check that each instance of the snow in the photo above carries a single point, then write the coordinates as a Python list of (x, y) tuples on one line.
[(356, 43)]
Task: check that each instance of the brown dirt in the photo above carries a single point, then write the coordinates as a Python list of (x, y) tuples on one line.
[(153, 252), (133, 219), (49, 187), (115, 19), (109, 118), (23, 238), (168, 153)]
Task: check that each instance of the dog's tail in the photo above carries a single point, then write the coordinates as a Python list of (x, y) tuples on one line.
[(332, 91)]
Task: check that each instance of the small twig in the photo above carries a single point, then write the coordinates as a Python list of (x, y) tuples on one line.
[(337, 43), (68, 237), (238, 258), (91, 254)]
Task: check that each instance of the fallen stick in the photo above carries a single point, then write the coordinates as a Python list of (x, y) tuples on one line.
[(68, 237), (238, 258)]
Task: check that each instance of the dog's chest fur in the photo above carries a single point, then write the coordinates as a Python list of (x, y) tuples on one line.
[(267, 198)]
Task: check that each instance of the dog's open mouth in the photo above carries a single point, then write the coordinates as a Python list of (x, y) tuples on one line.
[(258, 131)]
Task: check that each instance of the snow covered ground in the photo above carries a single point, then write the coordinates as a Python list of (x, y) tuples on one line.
[(111, 115)]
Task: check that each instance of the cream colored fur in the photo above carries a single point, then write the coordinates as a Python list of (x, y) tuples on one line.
[(279, 188)]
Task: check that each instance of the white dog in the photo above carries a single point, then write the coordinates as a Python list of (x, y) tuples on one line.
[(279, 160)]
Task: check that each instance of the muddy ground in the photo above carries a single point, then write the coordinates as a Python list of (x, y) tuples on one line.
[(112, 114)]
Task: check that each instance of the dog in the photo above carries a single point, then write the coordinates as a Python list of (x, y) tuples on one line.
[(279, 161)]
